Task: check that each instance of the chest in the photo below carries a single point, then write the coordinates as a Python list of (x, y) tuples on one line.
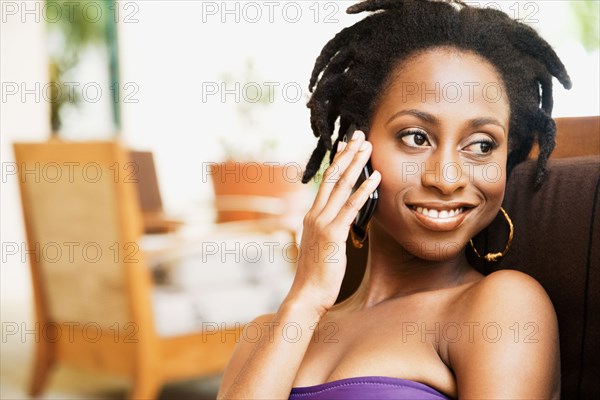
[(378, 343)]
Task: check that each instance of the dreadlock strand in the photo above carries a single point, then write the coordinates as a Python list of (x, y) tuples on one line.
[(314, 163), (374, 5), (547, 99), (527, 39), (546, 141), (328, 53)]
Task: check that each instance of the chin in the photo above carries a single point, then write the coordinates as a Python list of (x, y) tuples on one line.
[(429, 245), (433, 250)]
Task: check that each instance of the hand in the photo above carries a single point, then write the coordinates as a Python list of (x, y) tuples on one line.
[(322, 260)]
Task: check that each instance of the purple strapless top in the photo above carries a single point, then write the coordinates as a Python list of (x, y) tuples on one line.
[(367, 387)]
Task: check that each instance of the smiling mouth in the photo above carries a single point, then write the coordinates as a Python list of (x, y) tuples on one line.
[(440, 219)]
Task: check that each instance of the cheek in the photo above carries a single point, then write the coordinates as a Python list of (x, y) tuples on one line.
[(490, 179), (397, 177), (380, 161)]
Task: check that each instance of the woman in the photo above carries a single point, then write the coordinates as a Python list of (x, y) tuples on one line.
[(450, 99)]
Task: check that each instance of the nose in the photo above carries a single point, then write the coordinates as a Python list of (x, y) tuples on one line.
[(443, 171)]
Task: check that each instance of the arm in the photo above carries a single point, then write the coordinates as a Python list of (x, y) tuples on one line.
[(267, 368), (513, 348)]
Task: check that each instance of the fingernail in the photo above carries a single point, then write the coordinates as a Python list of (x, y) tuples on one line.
[(341, 146), (374, 175), (358, 135), (364, 146)]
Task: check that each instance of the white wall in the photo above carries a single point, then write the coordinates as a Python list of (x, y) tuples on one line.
[(23, 61), (176, 49)]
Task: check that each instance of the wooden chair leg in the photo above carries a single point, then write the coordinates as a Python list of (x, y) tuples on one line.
[(145, 387), (42, 366)]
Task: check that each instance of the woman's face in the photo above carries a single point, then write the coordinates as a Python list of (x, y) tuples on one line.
[(439, 137)]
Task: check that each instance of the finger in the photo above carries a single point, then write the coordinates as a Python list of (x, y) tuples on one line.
[(344, 185), (341, 160), (357, 200)]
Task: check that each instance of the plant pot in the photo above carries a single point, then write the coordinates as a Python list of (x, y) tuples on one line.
[(253, 190)]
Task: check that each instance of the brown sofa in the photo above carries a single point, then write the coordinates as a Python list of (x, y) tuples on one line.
[(556, 240)]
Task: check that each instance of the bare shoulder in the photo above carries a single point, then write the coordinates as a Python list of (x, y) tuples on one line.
[(513, 302), (512, 326), (510, 293), (242, 352)]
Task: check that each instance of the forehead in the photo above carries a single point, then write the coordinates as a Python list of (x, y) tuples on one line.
[(447, 80)]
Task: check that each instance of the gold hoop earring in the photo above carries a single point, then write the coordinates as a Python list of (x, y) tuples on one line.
[(359, 240), (493, 257)]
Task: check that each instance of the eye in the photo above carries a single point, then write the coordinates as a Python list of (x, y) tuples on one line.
[(414, 138), (481, 147)]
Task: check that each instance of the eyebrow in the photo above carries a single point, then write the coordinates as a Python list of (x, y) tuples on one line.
[(415, 113), (477, 122), (474, 123)]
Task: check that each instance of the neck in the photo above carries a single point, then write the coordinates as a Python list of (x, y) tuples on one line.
[(393, 271)]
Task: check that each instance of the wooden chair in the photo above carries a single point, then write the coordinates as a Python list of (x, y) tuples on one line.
[(92, 288), (154, 217)]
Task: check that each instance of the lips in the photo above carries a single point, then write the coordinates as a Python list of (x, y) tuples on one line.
[(441, 217)]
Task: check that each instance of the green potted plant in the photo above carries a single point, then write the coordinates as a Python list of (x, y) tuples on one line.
[(71, 31)]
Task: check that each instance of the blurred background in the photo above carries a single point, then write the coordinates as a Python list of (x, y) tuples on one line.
[(189, 89)]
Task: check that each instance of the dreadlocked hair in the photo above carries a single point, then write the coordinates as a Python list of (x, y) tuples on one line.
[(354, 67)]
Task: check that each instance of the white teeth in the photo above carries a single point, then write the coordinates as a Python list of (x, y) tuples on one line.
[(438, 214)]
